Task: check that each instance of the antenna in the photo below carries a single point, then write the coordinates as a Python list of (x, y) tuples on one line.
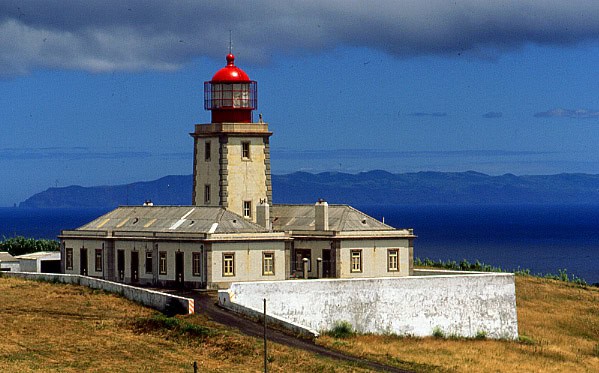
[(230, 42)]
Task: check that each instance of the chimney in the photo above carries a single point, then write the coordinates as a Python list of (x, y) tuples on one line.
[(321, 215), (263, 214)]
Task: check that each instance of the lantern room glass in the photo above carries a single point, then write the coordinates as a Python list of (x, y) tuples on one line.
[(230, 95)]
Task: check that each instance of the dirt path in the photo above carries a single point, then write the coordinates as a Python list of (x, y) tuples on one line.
[(205, 303)]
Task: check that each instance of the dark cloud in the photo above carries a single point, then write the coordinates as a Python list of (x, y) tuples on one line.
[(492, 114), (568, 113), (421, 114), (136, 35)]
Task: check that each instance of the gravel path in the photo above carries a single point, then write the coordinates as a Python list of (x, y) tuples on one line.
[(205, 303)]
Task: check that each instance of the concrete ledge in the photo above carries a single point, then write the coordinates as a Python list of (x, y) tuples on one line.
[(224, 300), (446, 272), (162, 302), (456, 304)]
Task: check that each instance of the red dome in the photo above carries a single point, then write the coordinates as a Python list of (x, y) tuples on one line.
[(230, 73)]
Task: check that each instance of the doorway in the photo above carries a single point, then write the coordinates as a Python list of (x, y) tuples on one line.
[(179, 269), (326, 263), (134, 266), (120, 264), (83, 262)]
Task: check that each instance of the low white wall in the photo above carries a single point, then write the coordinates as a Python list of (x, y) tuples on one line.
[(461, 305), (150, 298), (10, 267), (258, 315)]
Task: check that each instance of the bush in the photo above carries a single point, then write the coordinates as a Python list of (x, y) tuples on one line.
[(342, 329), (438, 333), (20, 245), (481, 334), (173, 325), (465, 265)]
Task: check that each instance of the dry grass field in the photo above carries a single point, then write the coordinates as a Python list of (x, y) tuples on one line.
[(65, 328), (51, 327), (559, 332)]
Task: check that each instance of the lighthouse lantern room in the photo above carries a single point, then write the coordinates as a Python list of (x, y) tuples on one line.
[(230, 95)]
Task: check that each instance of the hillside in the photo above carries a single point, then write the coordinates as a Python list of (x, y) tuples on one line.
[(55, 327), (66, 328), (373, 187)]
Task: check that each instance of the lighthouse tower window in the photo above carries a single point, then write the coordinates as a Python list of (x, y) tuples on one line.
[(207, 151), (247, 209), (245, 150)]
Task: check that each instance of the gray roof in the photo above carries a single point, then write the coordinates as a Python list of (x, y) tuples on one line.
[(6, 257), (175, 219), (341, 218)]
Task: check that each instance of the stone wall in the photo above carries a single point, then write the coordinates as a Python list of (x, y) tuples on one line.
[(160, 301), (461, 305)]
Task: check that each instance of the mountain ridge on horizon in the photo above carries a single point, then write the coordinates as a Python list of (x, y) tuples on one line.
[(368, 187)]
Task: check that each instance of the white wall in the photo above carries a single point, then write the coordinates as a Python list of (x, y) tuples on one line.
[(146, 297), (461, 305), (10, 266)]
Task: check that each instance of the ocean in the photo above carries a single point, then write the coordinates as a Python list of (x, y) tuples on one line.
[(544, 239)]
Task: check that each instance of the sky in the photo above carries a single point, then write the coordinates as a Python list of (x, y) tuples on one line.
[(107, 92)]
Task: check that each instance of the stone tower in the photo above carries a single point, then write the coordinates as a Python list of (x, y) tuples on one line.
[(231, 165)]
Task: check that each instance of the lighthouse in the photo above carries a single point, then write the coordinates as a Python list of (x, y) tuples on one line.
[(231, 153)]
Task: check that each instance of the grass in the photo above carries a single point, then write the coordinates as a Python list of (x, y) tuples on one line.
[(66, 328), (558, 326)]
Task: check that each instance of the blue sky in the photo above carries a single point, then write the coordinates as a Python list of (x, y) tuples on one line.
[(107, 92)]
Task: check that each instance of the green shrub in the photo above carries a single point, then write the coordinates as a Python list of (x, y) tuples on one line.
[(526, 340), (342, 329), (438, 332), (172, 325), (481, 334)]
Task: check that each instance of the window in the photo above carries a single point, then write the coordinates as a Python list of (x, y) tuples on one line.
[(228, 264), (356, 260), (247, 209), (196, 263), (393, 260), (245, 150), (149, 268), (162, 263), (268, 263), (207, 193), (300, 254), (98, 260), (69, 258), (207, 151)]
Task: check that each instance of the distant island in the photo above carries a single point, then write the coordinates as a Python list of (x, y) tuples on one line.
[(366, 188)]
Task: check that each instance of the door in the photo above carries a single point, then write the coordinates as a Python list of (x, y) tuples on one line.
[(179, 265), (120, 264), (83, 262), (326, 263), (134, 266)]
